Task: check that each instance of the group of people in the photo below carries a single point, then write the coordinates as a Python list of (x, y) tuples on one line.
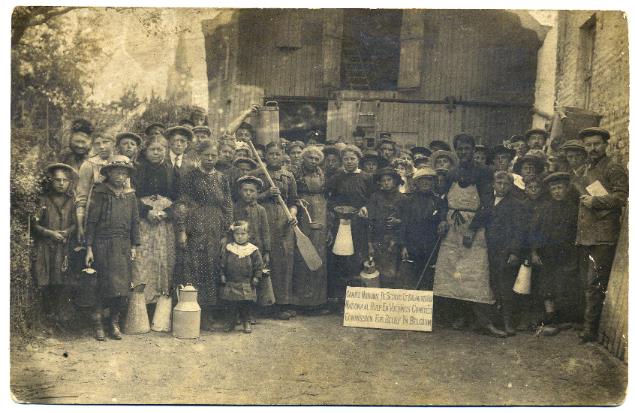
[(182, 206)]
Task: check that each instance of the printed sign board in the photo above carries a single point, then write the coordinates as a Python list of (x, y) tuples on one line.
[(388, 309)]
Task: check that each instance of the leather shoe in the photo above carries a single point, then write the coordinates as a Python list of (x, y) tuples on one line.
[(246, 327), (587, 337), (493, 331)]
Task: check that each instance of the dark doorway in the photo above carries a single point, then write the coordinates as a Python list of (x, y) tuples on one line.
[(370, 49), (301, 120)]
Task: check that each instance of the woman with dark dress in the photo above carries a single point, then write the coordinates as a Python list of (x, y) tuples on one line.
[(309, 287), (155, 184), (204, 214), (112, 235), (280, 227), (349, 187)]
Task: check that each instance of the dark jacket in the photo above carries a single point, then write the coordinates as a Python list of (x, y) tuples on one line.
[(600, 224), (506, 229), (420, 216)]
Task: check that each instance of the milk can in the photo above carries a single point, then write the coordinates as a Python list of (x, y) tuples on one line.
[(186, 317)]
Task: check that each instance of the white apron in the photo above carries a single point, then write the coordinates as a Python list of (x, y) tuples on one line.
[(463, 273)]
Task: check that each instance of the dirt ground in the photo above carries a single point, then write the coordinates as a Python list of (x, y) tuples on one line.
[(314, 360)]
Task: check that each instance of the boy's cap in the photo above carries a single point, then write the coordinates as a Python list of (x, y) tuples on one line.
[(251, 162), (180, 130), (557, 176), (202, 129), (250, 179), (390, 172), (128, 135)]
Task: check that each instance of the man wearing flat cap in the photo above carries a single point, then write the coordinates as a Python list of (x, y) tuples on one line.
[(154, 129), (536, 138), (439, 145), (198, 117), (599, 222)]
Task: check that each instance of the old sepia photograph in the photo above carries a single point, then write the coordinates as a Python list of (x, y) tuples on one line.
[(318, 206)]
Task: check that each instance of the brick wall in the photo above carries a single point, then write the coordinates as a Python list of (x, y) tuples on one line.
[(610, 77)]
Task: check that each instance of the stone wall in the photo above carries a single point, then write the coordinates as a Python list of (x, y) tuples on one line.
[(609, 91)]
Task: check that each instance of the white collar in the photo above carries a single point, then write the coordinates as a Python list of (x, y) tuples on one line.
[(173, 157), (241, 250)]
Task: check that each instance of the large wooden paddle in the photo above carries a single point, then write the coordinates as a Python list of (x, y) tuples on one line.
[(305, 246)]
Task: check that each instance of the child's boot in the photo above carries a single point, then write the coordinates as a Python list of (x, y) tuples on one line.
[(509, 326), (114, 325), (98, 327), (247, 327), (230, 324)]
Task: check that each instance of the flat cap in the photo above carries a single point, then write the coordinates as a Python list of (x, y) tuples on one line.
[(179, 130), (424, 172), (573, 144), (537, 131), (557, 176), (594, 131)]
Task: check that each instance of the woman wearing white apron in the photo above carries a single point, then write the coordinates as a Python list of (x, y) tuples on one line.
[(462, 269)]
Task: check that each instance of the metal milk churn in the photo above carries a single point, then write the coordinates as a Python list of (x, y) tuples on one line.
[(268, 129), (186, 317)]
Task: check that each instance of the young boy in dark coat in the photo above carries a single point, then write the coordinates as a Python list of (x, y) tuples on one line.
[(422, 215), (506, 234), (52, 226), (553, 229), (112, 235)]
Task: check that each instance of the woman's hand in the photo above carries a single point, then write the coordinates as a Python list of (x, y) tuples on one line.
[(57, 236), (512, 260), (535, 259), (223, 279), (81, 238), (255, 281), (89, 257), (363, 212), (133, 253), (468, 239), (181, 239), (404, 254)]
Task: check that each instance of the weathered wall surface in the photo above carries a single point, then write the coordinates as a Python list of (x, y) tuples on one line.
[(609, 94)]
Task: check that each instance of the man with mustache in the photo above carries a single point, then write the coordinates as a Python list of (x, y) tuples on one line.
[(79, 145), (599, 223)]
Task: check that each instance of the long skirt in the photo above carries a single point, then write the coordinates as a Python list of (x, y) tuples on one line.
[(282, 251), (113, 266), (154, 264), (309, 287)]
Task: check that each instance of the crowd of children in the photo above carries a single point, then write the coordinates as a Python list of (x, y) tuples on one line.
[(184, 206)]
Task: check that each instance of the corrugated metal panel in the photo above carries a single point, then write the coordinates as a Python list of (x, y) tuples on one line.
[(432, 121), (614, 321)]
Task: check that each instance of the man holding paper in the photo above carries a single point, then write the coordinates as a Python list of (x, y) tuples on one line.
[(606, 184)]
